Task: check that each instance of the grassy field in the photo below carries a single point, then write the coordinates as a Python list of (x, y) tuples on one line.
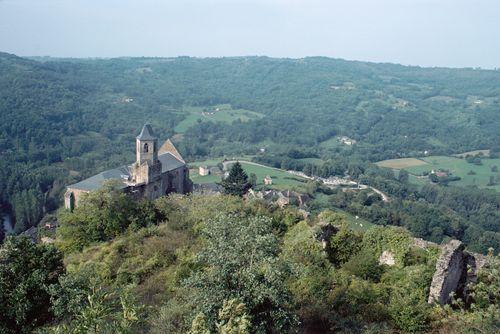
[(461, 168), (281, 179), (215, 161), (331, 143), (196, 178), (359, 224), (401, 163), (219, 113)]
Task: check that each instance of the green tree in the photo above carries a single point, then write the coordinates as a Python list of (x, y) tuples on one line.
[(312, 276), (233, 318), (2, 231), (403, 176), (253, 179), (199, 325), (343, 245), (365, 265), (491, 181), (236, 183), (26, 272), (240, 260), (102, 215)]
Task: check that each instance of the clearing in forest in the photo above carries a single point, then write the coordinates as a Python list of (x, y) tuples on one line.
[(219, 113), (401, 163)]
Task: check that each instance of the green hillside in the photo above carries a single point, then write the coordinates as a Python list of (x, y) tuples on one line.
[(63, 120), (184, 263)]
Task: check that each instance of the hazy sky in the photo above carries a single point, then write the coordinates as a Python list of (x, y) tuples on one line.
[(456, 33)]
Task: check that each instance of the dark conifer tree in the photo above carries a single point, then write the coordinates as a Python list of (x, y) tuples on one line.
[(2, 232), (237, 181)]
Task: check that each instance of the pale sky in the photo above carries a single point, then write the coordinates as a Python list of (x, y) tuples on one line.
[(452, 33)]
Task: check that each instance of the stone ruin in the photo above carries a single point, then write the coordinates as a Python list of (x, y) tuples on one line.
[(455, 269)]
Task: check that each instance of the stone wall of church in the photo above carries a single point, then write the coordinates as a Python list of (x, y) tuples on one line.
[(77, 196), (175, 181)]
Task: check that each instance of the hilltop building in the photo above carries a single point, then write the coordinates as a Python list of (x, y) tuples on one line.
[(156, 172)]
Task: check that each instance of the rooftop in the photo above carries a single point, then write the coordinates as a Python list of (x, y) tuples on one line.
[(146, 133), (168, 162)]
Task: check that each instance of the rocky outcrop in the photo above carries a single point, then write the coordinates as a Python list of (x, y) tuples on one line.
[(387, 258), (449, 272), (455, 269), (421, 243)]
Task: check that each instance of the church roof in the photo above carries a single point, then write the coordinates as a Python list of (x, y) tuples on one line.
[(146, 133), (169, 147), (95, 182), (168, 163)]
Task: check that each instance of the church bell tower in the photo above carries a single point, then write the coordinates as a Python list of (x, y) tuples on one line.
[(147, 167), (146, 146)]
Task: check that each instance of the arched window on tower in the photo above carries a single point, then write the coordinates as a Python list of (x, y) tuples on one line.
[(146, 147)]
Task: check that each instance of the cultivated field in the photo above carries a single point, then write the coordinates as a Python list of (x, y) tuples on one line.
[(219, 113), (401, 163), (470, 174)]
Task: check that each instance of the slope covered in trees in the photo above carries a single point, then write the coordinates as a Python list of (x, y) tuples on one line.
[(66, 119)]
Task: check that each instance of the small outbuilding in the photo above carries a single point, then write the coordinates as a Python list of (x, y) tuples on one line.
[(204, 171)]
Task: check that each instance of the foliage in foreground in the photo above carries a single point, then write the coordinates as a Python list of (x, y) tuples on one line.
[(218, 264), (26, 273)]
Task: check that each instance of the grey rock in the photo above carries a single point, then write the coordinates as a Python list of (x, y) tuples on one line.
[(455, 270)]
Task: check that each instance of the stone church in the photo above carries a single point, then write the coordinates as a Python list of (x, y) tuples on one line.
[(156, 172)]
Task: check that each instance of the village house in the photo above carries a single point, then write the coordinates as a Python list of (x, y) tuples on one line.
[(439, 173), (347, 141), (215, 170), (268, 181), (203, 171), (156, 172)]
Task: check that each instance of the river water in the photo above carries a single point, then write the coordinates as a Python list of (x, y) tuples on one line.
[(7, 224)]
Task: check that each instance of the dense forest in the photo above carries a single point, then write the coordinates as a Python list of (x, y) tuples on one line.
[(65, 119)]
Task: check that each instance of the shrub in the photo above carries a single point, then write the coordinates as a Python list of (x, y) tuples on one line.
[(365, 265)]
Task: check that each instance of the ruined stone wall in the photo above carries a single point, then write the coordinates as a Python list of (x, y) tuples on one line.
[(455, 269), (449, 272)]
